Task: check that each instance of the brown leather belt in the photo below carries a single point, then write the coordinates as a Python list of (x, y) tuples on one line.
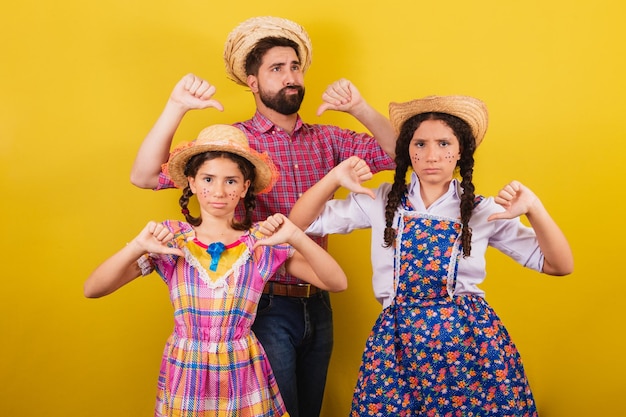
[(290, 290)]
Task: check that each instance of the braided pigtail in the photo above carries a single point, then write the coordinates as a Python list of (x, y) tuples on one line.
[(183, 201), (466, 165), (398, 188)]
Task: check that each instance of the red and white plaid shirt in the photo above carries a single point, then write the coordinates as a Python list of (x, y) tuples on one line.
[(302, 158)]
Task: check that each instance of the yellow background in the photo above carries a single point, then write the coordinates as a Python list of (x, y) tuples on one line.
[(81, 83)]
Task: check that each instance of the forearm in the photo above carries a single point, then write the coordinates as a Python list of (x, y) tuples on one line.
[(312, 202), (558, 257), (379, 126), (115, 272), (316, 265), (155, 148)]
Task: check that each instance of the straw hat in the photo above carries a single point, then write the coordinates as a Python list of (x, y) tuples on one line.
[(471, 110), (223, 138), (245, 36)]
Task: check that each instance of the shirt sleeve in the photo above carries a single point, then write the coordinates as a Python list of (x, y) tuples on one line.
[(512, 237), (342, 216), (164, 182), (270, 259), (365, 147), (165, 264)]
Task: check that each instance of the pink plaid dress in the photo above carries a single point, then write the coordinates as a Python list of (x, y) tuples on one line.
[(213, 365)]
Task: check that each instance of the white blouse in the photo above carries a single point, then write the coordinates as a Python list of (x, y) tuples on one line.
[(359, 211)]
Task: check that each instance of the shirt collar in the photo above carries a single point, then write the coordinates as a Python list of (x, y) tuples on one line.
[(264, 125), (414, 187)]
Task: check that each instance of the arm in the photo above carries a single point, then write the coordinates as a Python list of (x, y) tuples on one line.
[(350, 174), (517, 199), (310, 262), (342, 95), (122, 268), (191, 92)]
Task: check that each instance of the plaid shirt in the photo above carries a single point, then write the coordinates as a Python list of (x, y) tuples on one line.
[(302, 158)]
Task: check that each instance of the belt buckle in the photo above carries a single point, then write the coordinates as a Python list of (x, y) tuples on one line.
[(308, 289)]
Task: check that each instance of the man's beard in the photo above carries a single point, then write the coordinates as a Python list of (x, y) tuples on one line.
[(281, 102)]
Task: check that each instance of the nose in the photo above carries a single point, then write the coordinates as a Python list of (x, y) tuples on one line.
[(290, 78), (431, 153), (218, 189)]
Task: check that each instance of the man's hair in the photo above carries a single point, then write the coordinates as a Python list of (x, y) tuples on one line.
[(255, 57)]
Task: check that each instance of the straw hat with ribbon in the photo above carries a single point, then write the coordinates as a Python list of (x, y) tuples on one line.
[(222, 138), (246, 35), (469, 109)]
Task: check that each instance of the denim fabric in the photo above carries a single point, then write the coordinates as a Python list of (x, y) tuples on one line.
[(297, 335)]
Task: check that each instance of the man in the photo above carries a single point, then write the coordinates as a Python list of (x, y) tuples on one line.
[(269, 56)]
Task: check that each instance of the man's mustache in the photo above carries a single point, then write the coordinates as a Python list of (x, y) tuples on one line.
[(292, 87)]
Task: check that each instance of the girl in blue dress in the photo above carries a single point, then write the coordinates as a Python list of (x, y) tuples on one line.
[(437, 348)]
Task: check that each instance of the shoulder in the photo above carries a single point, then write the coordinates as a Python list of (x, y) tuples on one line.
[(485, 207), (253, 234), (179, 228)]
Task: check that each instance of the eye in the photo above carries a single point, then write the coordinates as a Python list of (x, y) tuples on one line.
[(207, 179), (231, 181)]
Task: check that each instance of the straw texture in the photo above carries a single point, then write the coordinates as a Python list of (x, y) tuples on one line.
[(244, 37), (470, 109), (224, 138)]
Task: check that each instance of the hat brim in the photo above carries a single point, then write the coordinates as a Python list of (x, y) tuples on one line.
[(469, 109), (266, 172)]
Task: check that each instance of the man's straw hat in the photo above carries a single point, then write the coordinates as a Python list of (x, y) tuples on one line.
[(246, 35), (224, 138), (470, 109)]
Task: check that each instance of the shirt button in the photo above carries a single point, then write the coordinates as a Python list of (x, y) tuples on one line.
[(296, 166)]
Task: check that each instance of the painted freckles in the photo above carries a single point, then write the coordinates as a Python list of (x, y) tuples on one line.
[(448, 157), (451, 158), (207, 191)]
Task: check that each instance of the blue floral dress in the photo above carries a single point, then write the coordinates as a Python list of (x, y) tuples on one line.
[(431, 353)]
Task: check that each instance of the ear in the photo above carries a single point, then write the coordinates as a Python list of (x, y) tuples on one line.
[(192, 184), (253, 83), (246, 187)]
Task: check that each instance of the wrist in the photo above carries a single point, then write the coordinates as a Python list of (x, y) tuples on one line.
[(535, 208), (135, 247), (296, 238), (360, 110), (176, 107)]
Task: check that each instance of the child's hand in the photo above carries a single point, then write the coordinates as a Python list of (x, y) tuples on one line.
[(516, 199), (154, 238), (351, 173), (278, 229), (194, 93)]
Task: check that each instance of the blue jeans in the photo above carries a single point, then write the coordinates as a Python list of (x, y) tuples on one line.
[(297, 335)]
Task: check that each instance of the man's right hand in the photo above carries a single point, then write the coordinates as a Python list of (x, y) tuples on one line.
[(194, 93)]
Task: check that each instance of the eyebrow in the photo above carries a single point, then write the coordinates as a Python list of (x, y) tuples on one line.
[(208, 174), (283, 64), (436, 139)]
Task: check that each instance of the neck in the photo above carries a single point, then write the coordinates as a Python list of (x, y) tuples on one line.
[(432, 192), (285, 122), (215, 229)]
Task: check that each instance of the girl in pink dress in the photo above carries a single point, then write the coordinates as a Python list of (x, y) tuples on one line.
[(215, 267)]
